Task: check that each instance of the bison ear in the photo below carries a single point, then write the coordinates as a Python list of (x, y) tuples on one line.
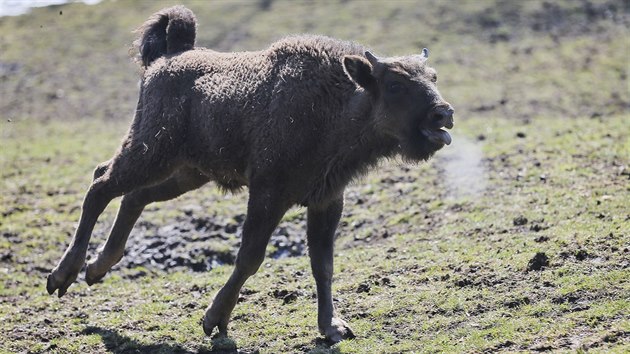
[(359, 70)]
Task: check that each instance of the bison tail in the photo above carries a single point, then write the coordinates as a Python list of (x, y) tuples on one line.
[(170, 30)]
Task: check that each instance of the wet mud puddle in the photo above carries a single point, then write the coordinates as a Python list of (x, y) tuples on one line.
[(200, 243)]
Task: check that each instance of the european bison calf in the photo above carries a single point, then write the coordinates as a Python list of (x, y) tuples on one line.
[(295, 123)]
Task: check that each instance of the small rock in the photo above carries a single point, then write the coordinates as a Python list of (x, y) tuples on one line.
[(520, 135)]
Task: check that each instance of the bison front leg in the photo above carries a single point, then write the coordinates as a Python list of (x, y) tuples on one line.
[(264, 211), (322, 223)]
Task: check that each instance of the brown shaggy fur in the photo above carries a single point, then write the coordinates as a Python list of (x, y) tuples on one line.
[(295, 123)]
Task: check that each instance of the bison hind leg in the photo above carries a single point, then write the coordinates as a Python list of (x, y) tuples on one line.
[(131, 207), (130, 169)]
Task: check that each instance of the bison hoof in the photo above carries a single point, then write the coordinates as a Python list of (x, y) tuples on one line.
[(337, 331), (212, 320), (93, 274), (58, 281)]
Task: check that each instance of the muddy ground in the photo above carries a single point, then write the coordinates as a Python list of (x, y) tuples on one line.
[(189, 240), (515, 238)]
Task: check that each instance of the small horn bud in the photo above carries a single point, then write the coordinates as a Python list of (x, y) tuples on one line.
[(371, 58), (425, 53)]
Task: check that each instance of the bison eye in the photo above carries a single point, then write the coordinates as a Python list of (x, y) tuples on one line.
[(395, 88)]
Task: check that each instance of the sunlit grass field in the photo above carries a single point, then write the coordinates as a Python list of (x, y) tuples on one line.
[(515, 238)]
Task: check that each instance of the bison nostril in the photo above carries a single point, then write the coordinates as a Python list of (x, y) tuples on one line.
[(437, 116), (443, 117)]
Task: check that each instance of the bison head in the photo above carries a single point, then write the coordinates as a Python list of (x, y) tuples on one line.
[(406, 103)]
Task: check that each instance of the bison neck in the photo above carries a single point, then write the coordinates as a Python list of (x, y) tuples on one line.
[(352, 145)]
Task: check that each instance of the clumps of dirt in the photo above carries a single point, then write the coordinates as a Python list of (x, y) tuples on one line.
[(577, 301), (6, 255), (542, 347), (612, 337), (537, 227), (498, 23), (475, 275), (202, 243), (385, 281), (517, 302), (463, 282), (503, 345), (538, 262), (571, 298), (286, 295), (581, 254), (363, 288), (377, 280), (519, 221)]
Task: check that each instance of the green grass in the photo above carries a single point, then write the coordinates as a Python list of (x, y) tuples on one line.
[(543, 96), (456, 280)]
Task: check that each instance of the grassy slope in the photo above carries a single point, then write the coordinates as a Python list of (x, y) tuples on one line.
[(450, 276)]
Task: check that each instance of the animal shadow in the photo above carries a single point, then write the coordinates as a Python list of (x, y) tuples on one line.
[(117, 343), (321, 345)]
